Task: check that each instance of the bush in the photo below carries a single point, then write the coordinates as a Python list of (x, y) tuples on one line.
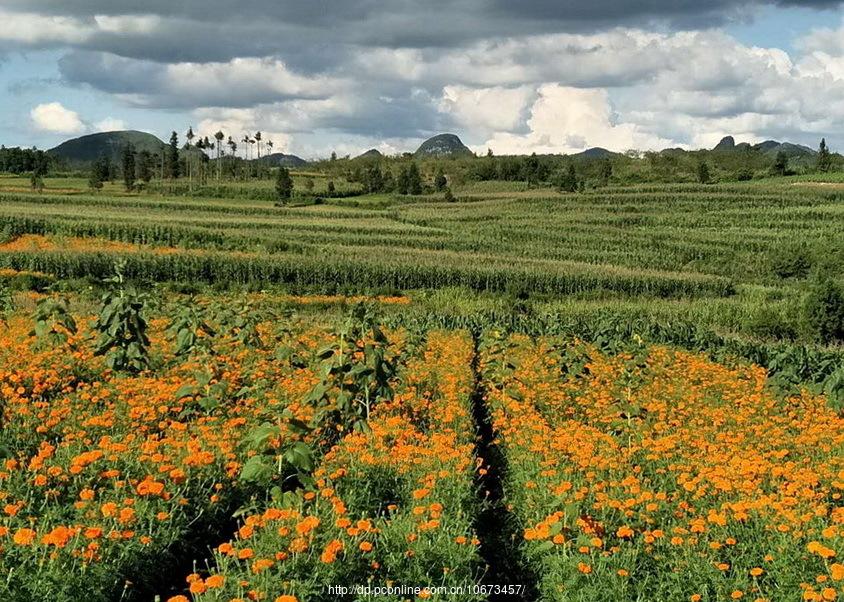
[(768, 323), (824, 310), (792, 262)]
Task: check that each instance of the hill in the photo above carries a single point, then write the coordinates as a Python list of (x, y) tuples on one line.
[(594, 153), (443, 145), (89, 148), (768, 147), (281, 159), (372, 153)]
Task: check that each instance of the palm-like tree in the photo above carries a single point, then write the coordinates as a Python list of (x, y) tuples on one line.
[(258, 140), (190, 136), (219, 137)]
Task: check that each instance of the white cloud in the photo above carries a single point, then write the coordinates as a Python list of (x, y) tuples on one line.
[(110, 124), (128, 24), (53, 117), (487, 109), (569, 120), (32, 28)]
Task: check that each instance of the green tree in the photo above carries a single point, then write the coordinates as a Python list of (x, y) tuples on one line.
[(374, 179), (606, 171), (129, 167), (566, 179), (414, 180), (172, 165), (403, 181), (703, 175), (331, 187), (100, 171), (39, 170), (440, 181), (219, 145), (531, 169), (824, 310), (143, 166), (824, 157), (780, 167), (283, 185)]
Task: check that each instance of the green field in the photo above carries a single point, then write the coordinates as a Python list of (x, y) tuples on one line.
[(210, 396)]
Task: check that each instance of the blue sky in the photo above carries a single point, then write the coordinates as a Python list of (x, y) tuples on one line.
[(552, 76)]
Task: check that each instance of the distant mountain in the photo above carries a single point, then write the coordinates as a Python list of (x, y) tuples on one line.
[(594, 153), (443, 145), (372, 153), (772, 147), (280, 159), (91, 147), (768, 147), (727, 143)]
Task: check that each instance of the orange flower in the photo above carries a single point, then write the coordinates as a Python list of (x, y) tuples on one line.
[(24, 537)]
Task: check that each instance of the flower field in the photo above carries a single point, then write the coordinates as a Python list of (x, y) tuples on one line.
[(659, 475), (236, 452)]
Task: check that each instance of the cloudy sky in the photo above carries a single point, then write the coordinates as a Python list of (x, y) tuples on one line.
[(347, 75)]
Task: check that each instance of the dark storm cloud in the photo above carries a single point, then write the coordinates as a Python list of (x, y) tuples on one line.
[(213, 30)]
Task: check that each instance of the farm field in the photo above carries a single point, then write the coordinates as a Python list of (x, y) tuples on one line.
[(618, 394)]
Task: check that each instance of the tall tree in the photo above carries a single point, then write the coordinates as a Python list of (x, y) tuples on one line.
[(283, 185), (440, 181), (567, 179), (143, 166), (824, 157), (414, 180), (129, 167), (258, 140), (39, 170), (173, 157), (780, 167), (703, 175), (189, 155), (219, 138)]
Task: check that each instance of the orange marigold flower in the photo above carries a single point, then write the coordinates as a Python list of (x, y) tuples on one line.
[(24, 537)]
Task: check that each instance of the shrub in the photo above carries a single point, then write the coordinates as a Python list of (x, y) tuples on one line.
[(824, 310), (792, 262)]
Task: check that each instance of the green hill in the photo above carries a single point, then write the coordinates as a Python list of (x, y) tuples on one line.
[(281, 159), (89, 148), (443, 145)]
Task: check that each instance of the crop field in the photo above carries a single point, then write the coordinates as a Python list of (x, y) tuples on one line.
[(623, 394)]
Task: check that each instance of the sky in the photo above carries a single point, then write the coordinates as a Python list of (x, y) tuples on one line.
[(545, 76)]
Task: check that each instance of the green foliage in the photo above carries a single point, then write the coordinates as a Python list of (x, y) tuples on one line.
[(122, 327), (172, 168), (279, 460), (283, 185), (53, 322), (824, 157), (780, 167), (566, 179), (7, 302), (703, 175), (190, 330), (793, 261), (241, 322), (129, 168), (440, 181), (356, 373), (824, 311)]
